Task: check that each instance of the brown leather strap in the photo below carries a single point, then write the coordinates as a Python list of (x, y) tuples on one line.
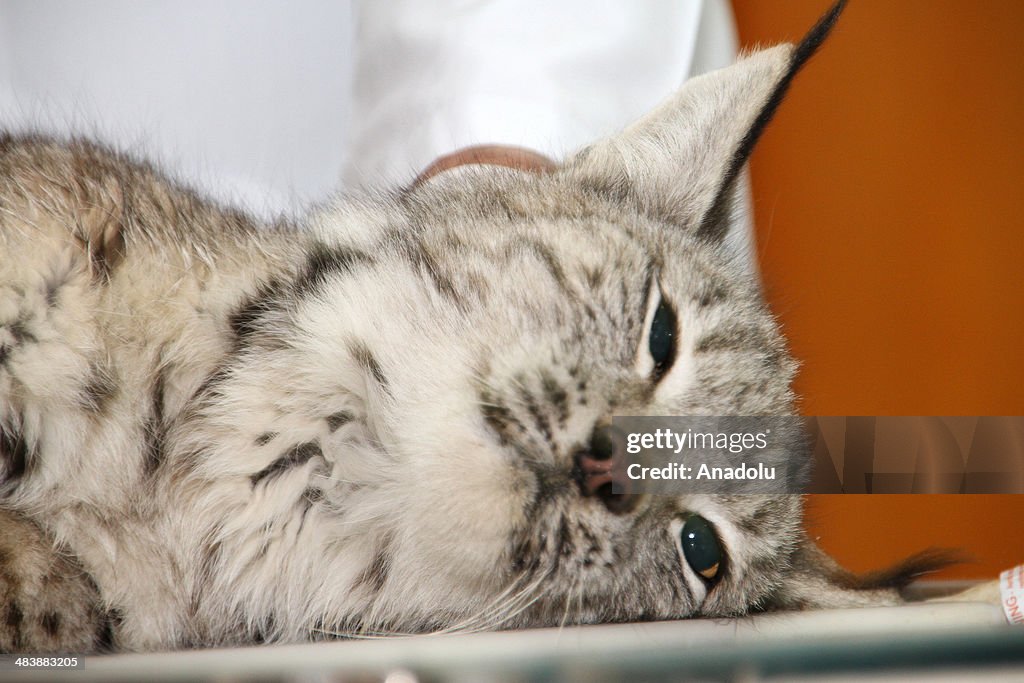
[(493, 155)]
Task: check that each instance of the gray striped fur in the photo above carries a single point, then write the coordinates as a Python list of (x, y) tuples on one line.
[(217, 432)]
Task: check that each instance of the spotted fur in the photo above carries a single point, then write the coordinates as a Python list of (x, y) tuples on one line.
[(218, 432)]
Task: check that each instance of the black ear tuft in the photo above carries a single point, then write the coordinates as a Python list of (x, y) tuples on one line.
[(715, 222), (817, 35), (804, 51), (816, 581), (901, 574)]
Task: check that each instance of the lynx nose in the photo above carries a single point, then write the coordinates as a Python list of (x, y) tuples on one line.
[(601, 471)]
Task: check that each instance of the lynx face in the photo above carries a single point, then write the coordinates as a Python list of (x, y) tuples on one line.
[(531, 326), (470, 387)]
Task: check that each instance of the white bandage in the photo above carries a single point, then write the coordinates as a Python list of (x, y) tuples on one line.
[(1011, 594)]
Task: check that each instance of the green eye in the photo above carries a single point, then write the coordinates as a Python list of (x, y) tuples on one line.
[(701, 548), (662, 339)]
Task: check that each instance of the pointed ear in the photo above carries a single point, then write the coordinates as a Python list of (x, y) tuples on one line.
[(681, 160), (815, 581)]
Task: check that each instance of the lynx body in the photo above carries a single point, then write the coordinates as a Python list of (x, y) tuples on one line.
[(217, 432)]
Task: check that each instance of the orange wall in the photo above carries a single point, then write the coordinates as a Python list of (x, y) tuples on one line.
[(888, 197)]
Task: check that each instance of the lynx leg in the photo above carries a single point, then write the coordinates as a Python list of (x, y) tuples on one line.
[(47, 602)]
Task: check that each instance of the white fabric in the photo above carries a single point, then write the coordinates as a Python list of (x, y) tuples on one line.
[(247, 99), (433, 77), (268, 103)]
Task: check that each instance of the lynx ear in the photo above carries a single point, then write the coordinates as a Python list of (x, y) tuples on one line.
[(815, 581), (681, 160)]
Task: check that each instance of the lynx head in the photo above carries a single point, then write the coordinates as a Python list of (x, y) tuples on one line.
[(463, 344)]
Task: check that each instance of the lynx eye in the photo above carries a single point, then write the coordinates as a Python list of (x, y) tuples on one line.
[(701, 548), (662, 339)]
